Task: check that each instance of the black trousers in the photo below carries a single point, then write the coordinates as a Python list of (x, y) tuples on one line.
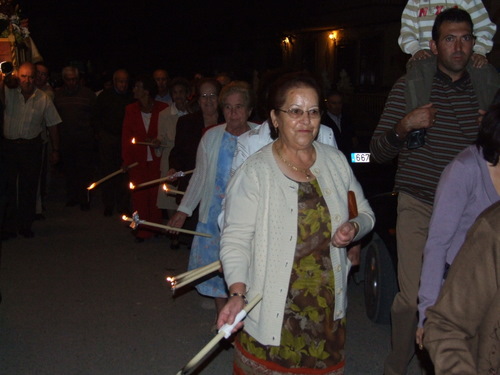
[(78, 166), (22, 162), (115, 192)]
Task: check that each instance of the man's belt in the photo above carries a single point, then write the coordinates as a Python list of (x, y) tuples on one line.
[(24, 141)]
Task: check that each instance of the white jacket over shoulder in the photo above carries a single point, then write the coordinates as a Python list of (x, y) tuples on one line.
[(260, 232)]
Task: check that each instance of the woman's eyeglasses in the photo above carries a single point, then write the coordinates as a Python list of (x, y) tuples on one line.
[(296, 113), (208, 96)]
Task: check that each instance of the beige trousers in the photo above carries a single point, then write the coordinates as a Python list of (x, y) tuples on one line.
[(411, 231)]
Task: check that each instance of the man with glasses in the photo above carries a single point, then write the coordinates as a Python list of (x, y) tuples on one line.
[(188, 133)]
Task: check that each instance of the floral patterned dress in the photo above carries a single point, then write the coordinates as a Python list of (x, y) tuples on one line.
[(312, 342)]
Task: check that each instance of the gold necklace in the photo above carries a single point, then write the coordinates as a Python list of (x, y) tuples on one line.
[(293, 167)]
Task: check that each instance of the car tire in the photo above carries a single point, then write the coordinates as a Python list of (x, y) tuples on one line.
[(380, 282)]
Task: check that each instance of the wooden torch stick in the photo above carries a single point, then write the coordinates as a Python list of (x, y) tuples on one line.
[(156, 225), (111, 175), (159, 180), (352, 204)]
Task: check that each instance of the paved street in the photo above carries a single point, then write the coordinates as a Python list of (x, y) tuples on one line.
[(83, 298)]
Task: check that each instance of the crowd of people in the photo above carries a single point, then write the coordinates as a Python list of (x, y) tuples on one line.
[(83, 135), (272, 193)]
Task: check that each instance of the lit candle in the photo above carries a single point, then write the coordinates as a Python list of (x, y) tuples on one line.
[(146, 143), (111, 175), (188, 277), (167, 189), (163, 179)]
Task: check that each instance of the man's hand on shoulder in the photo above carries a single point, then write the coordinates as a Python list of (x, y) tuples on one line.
[(421, 55), (478, 61)]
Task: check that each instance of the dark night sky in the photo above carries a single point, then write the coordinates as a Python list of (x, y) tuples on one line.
[(183, 36)]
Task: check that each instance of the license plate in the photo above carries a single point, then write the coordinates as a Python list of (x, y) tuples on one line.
[(360, 157)]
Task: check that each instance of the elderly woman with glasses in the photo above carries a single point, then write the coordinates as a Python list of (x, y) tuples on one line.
[(285, 235), (188, 133), (207, 187), (190, 128)]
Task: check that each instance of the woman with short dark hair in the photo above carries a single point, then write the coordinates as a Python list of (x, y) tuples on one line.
[(141, 123), (285, 234)]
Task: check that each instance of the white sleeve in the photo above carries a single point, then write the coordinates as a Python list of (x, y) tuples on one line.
[(484, 29), (196, 185), (409, 35), (326, 136), (242, 152), (239, 226)]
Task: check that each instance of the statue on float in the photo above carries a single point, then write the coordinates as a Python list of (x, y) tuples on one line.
[(16, 44)]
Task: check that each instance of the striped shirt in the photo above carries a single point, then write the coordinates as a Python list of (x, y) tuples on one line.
[(26, 119), (455, 128), (419, 15)]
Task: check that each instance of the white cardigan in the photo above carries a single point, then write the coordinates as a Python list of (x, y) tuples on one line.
[(202, 184), (260, 232)]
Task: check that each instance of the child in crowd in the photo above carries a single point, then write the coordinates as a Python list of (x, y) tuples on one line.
[(418, 18)]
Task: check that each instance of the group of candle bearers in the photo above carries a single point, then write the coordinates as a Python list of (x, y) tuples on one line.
[(142, 148), (167, 189), (294, 122)]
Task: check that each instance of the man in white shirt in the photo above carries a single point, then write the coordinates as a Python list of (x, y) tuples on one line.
[(28, 111)]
